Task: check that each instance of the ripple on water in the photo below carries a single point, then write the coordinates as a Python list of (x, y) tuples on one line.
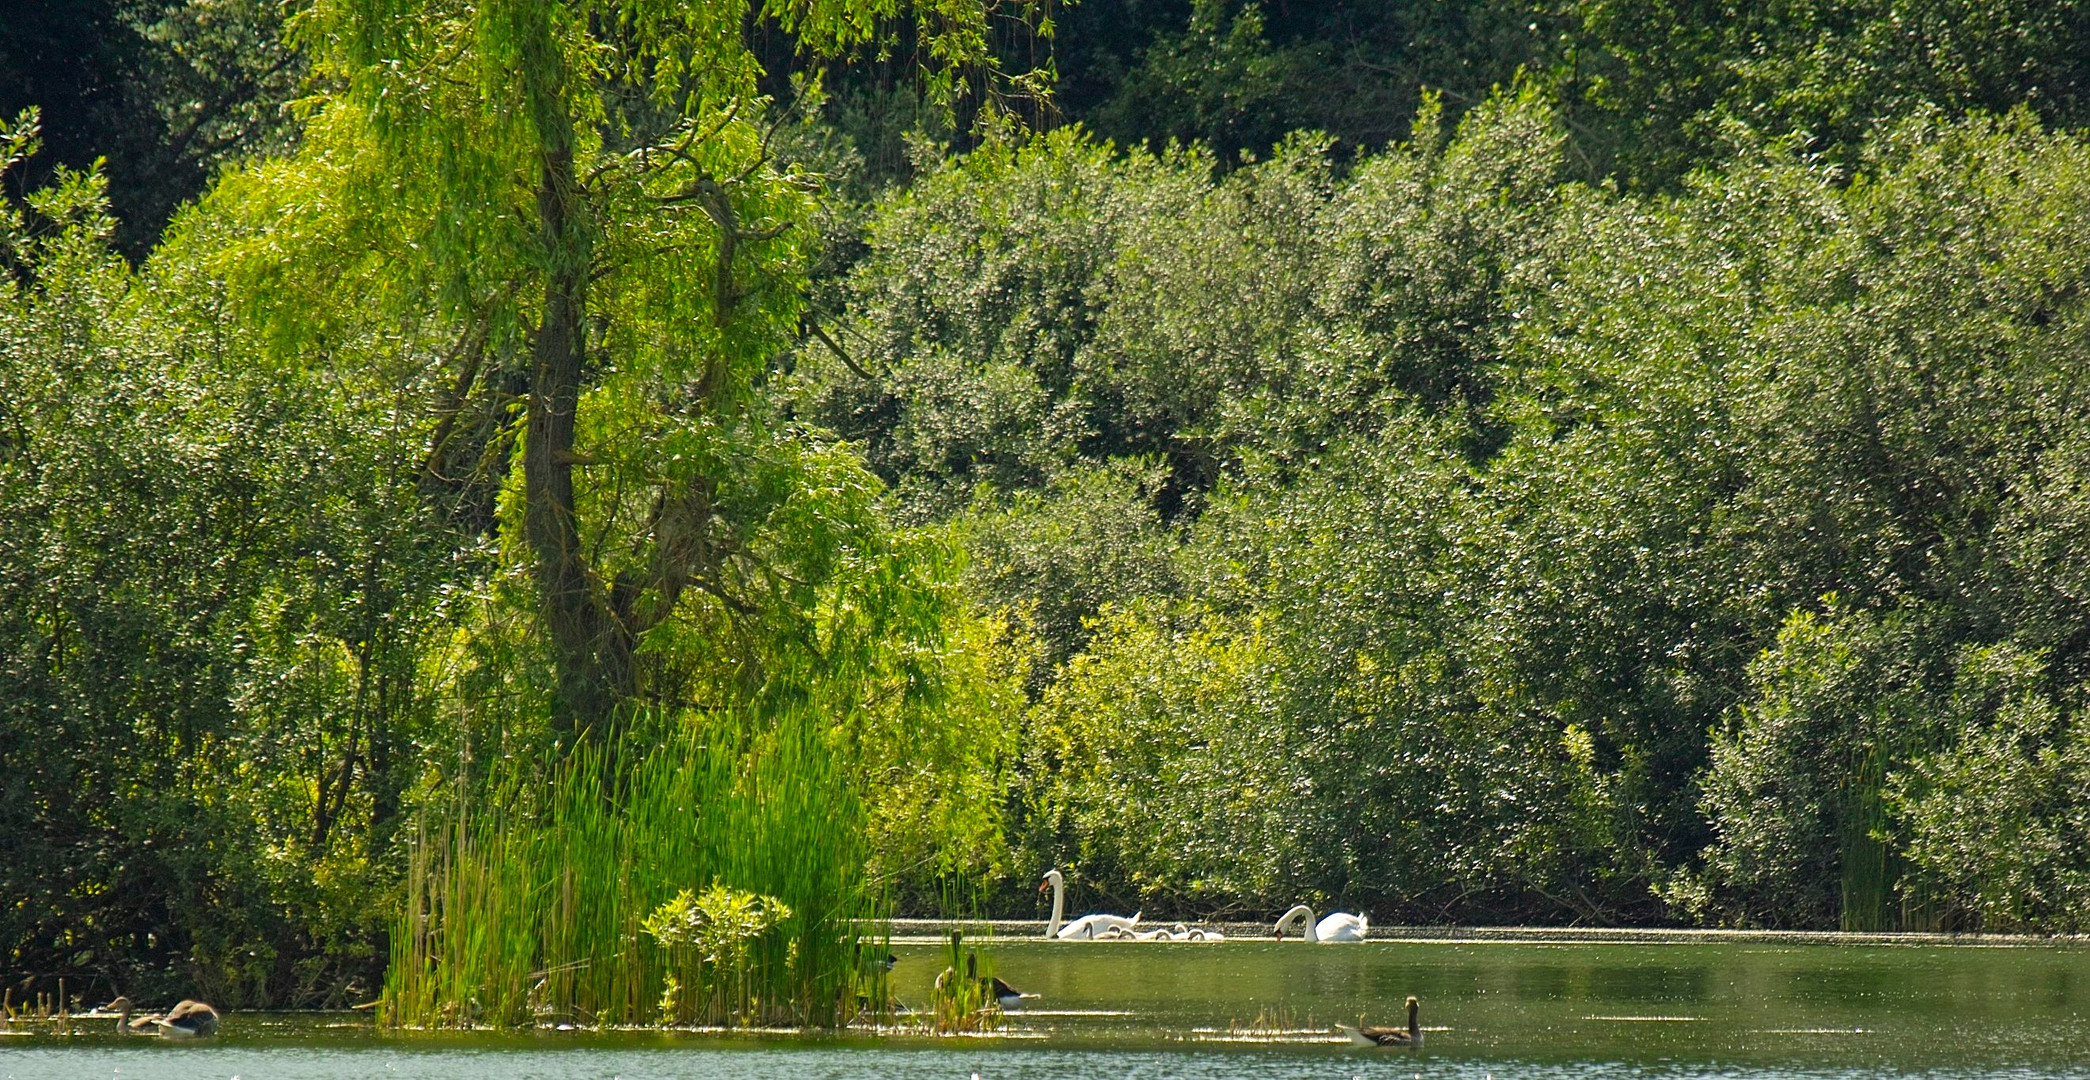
[(1259, 1011), (727, 1062)]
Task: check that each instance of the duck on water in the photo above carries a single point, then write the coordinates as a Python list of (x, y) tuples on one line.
[(186, 1020), (1008, 997), (1409, 1038)]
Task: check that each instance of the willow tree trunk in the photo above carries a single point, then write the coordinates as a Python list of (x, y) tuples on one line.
[(590, 646)]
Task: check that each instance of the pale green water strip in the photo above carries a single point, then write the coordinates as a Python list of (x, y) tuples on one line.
[(1259, 1010)]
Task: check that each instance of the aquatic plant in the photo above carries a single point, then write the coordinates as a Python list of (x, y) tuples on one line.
[(709, 937), (963, 999), (579, 909)]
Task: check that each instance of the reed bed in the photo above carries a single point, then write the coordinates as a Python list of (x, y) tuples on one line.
[(964, 1001), (1867, 869), (564, 905)]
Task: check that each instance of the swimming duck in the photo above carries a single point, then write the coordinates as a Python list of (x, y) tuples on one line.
[(187, 1020), (1409, 1038), (1008, 997)]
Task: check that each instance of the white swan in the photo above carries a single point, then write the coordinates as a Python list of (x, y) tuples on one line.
[(1338, 926), (1088, 926)]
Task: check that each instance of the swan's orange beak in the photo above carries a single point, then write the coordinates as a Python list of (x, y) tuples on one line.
[(1044, 885)]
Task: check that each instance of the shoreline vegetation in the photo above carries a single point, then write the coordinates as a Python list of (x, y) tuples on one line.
[(582, 510), (1012, 931), (590, 912)]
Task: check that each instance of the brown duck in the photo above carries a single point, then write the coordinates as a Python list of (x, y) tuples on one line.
[(187, 1020)]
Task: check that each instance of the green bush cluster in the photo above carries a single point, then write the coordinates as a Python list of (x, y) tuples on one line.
[(1432, 532), (1655, 489)]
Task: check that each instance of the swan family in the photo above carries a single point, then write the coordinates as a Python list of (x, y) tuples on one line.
[(1336, 927), (1088, 927), (1178, 932)]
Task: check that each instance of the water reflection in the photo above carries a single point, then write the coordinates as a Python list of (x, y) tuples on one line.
[(1632, 983), (1257, 1010), (717, 1063)]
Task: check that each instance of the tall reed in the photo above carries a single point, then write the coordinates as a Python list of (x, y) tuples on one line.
[(1866, 865), (964, 999), (529, 908)]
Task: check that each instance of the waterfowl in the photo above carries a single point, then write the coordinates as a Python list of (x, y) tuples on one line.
[(1086, 927), (187, 1020), (123, 1008), (1005, 995), (880, 958), (1338, 926), (1407, 1038), (1009, 996)]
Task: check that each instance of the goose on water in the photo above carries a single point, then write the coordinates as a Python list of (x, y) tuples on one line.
[(1086, 927), (186, 1020), (1338, 926), (1409, 1038), (1007, 996)]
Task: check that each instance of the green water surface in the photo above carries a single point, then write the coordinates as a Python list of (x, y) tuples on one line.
[(1266, 1009)]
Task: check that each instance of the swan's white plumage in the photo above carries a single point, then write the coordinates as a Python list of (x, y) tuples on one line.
[(1342, 926), (1095, 926), (1088, 927), (1339, 926)]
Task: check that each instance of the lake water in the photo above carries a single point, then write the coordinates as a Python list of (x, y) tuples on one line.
[(1255, 1010)]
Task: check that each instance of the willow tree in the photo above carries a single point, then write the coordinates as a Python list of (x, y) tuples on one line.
[(589, 186)]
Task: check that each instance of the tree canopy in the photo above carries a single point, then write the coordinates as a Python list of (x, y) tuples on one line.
[(1468, 461)]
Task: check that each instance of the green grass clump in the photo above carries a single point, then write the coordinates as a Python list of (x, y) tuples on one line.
[(716, 878)]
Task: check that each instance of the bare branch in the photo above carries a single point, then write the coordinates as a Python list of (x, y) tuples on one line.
[(817, 332)]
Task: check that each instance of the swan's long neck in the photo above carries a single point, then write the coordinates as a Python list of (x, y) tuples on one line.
[(1313, 934), (1414, 1025), (1059, 905)]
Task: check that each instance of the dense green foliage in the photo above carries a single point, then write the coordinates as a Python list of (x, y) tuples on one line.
[(547, 483), (169, 90), (1458, 504), (469, 393)]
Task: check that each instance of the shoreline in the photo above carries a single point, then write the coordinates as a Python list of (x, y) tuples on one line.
[(936, 931)]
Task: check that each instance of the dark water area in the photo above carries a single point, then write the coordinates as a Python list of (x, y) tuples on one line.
[(1255, 1010)]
